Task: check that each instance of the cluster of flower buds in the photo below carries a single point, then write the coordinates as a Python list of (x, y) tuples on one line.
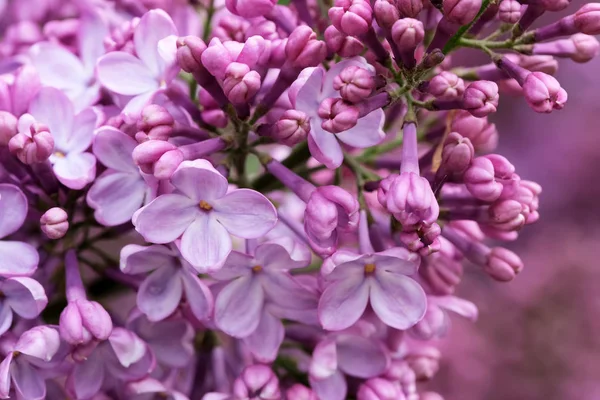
[(285, 195)]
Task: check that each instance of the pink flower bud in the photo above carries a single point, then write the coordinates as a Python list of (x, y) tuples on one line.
[(32, 148), (156, 123), (446, 85), (250, 8), (543, 93), (425, 362), (507, 215), (354, 83), (586, 47), (457, 154), (553, 5), (386, 13), (409, 8), (411, 200), (352, 17), (503, 264), (54, 223), (303, 49), (408, 33), (344, 45), (481, 98), (502, 167), (461, 11), (189, 53), (379, 389), (433, 324), (480, 180), (587, 19), (8, 127), (211, 113), (240, 83), (443, 274), (482, 134), (146, 154), (509, 11), (256, 381), (300, 392), (292, 128), (231, 28), (338, 115), (83, 321)]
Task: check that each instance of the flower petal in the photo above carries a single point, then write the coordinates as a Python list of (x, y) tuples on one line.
[(264, 342), (58, 67), (199, 180), (17, 259), (276, 257), (361, 357), (92, 32), (457, 305), (343, 302), (5, 376), (165, 218), (137, 259), (237, 264), (328, 90), (324, 146), (331, 388), (13, 209), (82, 134), (398, 301), (41, 342), (205, 243), (367, 132), (160, 293), (87, 377), (324, 359), (53, 108), (6, 319), (28, 382), (170, 340), (25, 295), (123, 73), (309, 96), (113, 148), (198, 296), (238, 307), (245, 213), (75, 170), (154, 26)]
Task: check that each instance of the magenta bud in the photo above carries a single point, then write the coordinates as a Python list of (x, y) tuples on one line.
[(433, 324), (386, 13), (292, 128), (303, 49), (480, 180), (411, 200), (344, 45), (8, 127), (166, 165), (300, 392), (147, 153), (425, 362), (481, 98), (250, 8), (442, 274), (446, 85), (83, 321), (587, 19), (503, 264), (461, 11), (553, 5), (256, 381), (354, 83), (541, 63), (409, 8), (507, 215), (54, 223), (34, 148), (502, 167), (586, 47), (543, 93), (379, 389), (457, 154), (189, 53), (156, 122), (351, 17), (240, 83), (338, 115), (408, 33), (482, 134), (509, 11)]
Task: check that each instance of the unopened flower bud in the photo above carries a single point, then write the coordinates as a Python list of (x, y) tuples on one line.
[(354, 83), (146, 154), (83, 321), (342, 44), (156, 123), (509, 11), (580, 48), (54, 223), (338, 115), (250, 8), (409, 8), (240, 83), (461, 11), (32, 148), (433, 324), (480, 180), (189, 53), (587, 19), (379, 389), (8, 127), (481, 98), (411, 200), (386, 13), (292, 128), (407, 34), (303, 49), (352, 17), (257, 381), (457, 154), (543, 93), (425, 362), (300, 392), (503, 264), (446, 85), (482, 134)]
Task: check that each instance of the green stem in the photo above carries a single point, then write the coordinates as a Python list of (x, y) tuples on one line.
[(209, 14)]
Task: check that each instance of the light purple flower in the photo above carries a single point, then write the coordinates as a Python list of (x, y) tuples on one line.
[(171, 277), (203, 214), (72, 133), (148, 388), (22, 296), (122, 189), (325, 146), (61, 69), (16, 258), (153, 68), (436, 322)]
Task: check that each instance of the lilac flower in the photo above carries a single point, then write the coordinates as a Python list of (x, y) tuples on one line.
[(72, 133), (203, 214), (153, 68), (172, 277), (16, 258), (122, 189), (61, 69), (148, 387), (436, 321), (23, 296), (16, 95), (324, 146)]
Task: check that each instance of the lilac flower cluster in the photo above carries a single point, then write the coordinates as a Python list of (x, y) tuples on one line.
[(255, 200)]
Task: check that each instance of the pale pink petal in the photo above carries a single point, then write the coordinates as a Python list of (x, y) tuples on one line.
[(298, 251), (160, 293), (205, 243), (324, 359), (237, 264), (245, 213), (361, 357), (25, 295), (133, 109), (276, 257), (198, 296), (75, 170), (58, 67), (92, 32), (165, 218), (264, 342), (397, 261), (331, 388), (113, 148), (82, 133), (17, 259), (167, 49), (154, 26), (459, 306), (137, 259), (87, 377), (199, 180), (5, 376), (127, 346), (13, 209), (343, 303), (6, 318), (41, 342), (238, 307), (52, 107), (336, 259), (324, 146), (123, 73), (398, 301), (367, 132), (28, 381), (308, 98)]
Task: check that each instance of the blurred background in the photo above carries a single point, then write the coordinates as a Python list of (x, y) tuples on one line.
[(537, 337)]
